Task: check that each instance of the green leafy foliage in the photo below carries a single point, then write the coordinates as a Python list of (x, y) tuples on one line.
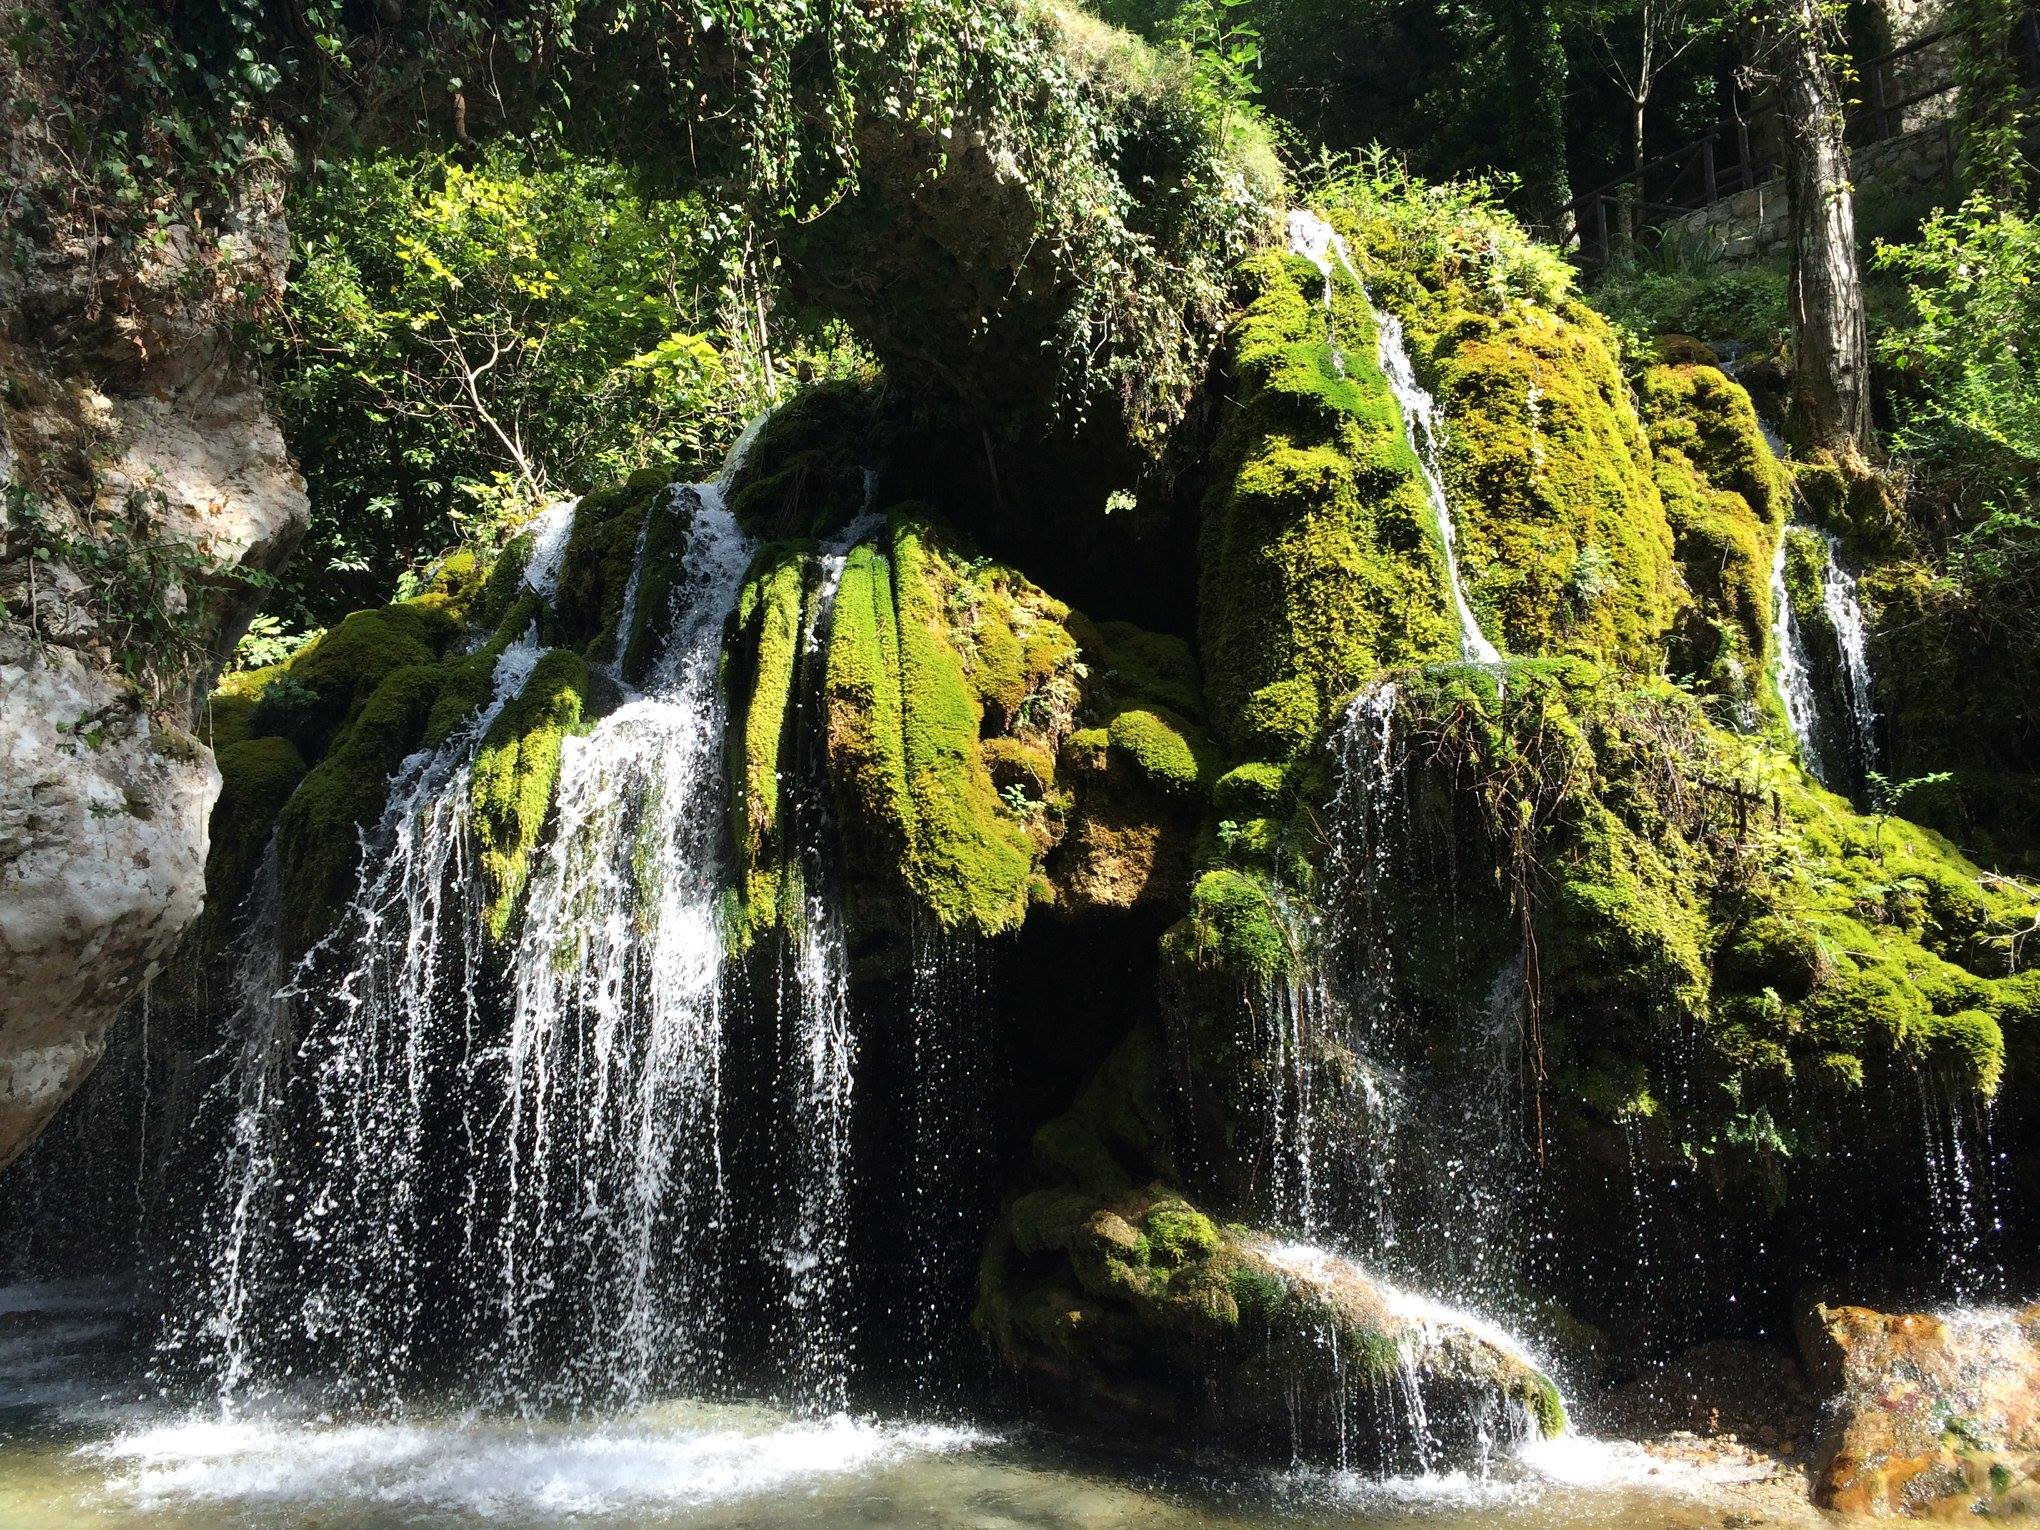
[(463, 340), (1967, 403)]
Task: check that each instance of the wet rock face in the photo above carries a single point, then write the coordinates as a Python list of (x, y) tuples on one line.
[(1930, 1415)]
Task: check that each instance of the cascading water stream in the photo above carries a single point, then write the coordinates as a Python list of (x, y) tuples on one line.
[(1318, 242), (1386, 1146), (609, 1138), (517, 1153), (820, 1044), (1797, 687)]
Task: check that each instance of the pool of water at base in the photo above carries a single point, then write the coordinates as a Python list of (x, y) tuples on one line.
[(83, 1444)]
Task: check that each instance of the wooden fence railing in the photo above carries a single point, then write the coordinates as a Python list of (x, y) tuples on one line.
[(1730, 159)]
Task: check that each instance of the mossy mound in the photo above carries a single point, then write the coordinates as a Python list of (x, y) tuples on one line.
[(596, 592), (1720, 941), (309, 746), (990, 750), (1563, 540), (1321, 561), (808, 471), (257, 777), (1727, 498), (1156, 1317), (760, 674), (904, 710)]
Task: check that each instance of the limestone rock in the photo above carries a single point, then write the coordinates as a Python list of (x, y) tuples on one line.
[(102, 865), (142, 475)]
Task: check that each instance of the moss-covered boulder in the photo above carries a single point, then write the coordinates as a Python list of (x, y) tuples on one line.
[(515, 770), (1563, 538), (1156, 1318), (809, 470), (1320, 557), (617, 570), (1727, 498), (989, 749)]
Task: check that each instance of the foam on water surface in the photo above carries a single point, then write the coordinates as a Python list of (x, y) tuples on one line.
[(661, 1458)]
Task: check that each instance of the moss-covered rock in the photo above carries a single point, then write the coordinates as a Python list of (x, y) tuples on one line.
[(760, 671), (515, 771), (808, 472), (257, 777), (595, 584), (1156, 1317), (1320, 558), (1563, 540), (1727, 498)]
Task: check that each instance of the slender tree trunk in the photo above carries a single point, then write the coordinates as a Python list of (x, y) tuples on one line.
[(1830, 405), (1537, 90)]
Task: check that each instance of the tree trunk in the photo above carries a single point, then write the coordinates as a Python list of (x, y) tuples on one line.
[(1830, 405), (1537, 85)]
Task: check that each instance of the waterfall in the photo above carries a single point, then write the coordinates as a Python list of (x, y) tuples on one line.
[(1389, 1143), (610, 1088), (509, 1164), (1845, 615), (955, 1077), (1961, 1163), (1318, 242), (1420, 419), (1797, 688), (1795, 675)]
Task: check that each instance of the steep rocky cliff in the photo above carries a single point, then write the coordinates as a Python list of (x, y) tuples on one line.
[(144, 483)]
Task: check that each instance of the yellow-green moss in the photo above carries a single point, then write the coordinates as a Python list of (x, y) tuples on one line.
[(515, 771), (1563, 541), (317, 831), (772, 613), (324, 682), (1319, 557), (1170, 754), (903, 725), (1232, 928)]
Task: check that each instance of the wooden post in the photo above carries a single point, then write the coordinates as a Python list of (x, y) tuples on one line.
[(1707, 169), (1601, 223), (1879, 118)]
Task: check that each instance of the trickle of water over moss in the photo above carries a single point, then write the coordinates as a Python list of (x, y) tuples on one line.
[(1320, 558)]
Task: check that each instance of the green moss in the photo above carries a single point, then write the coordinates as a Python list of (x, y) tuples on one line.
[(596, 564), (1015, 763), (1132, 666), (333, 675), (1178, 1233), (805, 474), (318, 829), (1232, 927), (515, 771), (1563, 540), (257, 777), (1319, 556), (904, 718), (772, 615), (1249, 791), (1170, 754), (1727, 498)]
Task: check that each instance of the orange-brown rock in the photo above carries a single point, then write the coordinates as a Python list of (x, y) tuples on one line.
[(1930, 1415)]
